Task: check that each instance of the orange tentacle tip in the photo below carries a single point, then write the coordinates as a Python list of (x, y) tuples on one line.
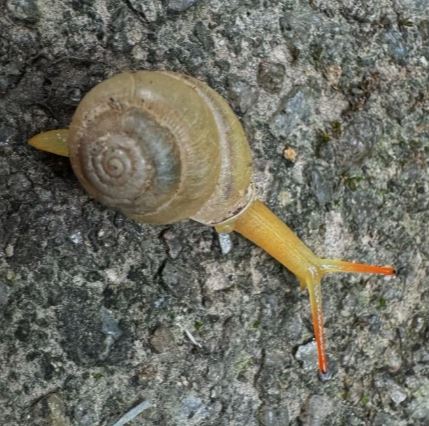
[(355, 267)]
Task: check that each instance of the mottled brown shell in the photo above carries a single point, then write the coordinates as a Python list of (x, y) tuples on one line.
[(161, 147)]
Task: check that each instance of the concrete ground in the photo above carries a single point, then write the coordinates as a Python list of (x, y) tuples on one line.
[(100, 315)]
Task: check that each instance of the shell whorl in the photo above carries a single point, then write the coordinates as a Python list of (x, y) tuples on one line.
[(157, 146), (129, 161)]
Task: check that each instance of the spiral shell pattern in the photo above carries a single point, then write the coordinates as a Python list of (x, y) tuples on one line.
[(111, 165), (129, 161), (160, 147)]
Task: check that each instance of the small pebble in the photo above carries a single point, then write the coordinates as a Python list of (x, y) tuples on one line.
[(241, 94), (397, 395), (295, 109), (393, 360), (193, 407), (76, 237), (225, 243), (321, 185), (290, 154), (24, 10), (307, 355), (9, 250), (174, 244), (162, 340), (110, 325), (271, 76)]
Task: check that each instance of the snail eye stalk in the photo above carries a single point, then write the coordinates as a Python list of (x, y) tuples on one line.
[(261, 226)]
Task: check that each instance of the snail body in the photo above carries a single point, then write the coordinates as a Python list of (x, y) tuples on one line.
[(162, 147)]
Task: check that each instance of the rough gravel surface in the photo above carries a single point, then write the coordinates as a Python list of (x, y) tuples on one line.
[(100, 315)]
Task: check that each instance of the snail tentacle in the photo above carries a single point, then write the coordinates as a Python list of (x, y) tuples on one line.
[(53, 141), (261, 226)]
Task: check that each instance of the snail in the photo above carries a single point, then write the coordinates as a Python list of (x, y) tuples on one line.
[(162, 147)]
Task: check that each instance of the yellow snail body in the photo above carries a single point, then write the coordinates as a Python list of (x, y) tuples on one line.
[(162, 147)]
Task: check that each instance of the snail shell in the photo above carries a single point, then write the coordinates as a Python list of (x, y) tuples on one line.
[(161, 147)]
